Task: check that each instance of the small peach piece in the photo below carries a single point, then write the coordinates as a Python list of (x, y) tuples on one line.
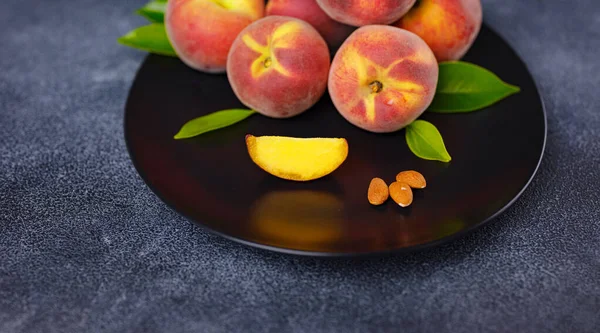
[(308, 10), (364, 12), (401, 194), (449, 27), (299, 159), (378, 192), (382, 78), (202, 31), (278, 66), (413, 178)]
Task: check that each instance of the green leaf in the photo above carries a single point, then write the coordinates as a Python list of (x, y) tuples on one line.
[(425, 141), (154, 11), (465, 87), (151, 38), (212, 122)]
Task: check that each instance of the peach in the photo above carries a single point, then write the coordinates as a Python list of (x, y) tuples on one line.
[(449, 27), (202, 31), (308, 10), (382, 78), (365, 12), (279, 66)]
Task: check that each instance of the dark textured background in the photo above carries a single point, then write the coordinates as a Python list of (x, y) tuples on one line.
[(86, 247)]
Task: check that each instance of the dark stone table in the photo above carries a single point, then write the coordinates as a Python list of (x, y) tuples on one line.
[(86, 247)]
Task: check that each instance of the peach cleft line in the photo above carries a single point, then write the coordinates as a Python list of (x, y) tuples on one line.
[(368, 72), (279, 39)]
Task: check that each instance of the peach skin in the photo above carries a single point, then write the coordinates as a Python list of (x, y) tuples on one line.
[(202, 31), (365, 12), (279, 66), (449, 27), (382, 78), (334, 32)]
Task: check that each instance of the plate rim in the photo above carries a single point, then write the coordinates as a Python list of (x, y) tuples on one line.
[(305, 253)]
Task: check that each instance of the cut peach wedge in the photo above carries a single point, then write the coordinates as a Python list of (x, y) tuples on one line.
[(298, 159)]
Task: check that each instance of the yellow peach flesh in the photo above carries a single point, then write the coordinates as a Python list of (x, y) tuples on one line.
[(299, 159)]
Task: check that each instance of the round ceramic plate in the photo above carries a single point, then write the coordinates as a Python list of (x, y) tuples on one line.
[(211, 179)]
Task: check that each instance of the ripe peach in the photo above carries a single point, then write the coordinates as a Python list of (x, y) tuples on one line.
[(334, 32), (202, 31), (382, 78), (449, 27), (360, 12), (278, 66)]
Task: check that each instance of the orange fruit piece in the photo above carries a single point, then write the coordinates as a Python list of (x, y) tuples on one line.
[(298, 159)]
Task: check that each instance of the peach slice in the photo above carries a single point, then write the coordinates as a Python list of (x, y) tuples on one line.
[(299, 159)]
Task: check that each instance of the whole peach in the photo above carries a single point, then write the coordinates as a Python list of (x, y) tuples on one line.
[(202, 31), (382, 78), (449, 27), (360, 12), (308, 10), (278, 66)]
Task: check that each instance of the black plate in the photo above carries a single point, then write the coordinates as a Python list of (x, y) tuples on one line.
[(212, 181)]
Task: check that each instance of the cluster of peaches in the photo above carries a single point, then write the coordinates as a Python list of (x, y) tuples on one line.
[(378, 59)]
